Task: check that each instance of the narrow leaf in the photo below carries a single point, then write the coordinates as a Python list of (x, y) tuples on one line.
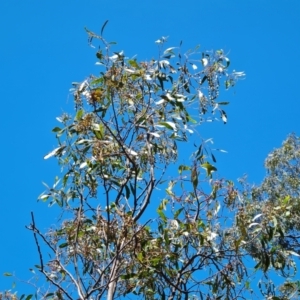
[(103, 27), (169, 125), (79, 114), (63, 245)]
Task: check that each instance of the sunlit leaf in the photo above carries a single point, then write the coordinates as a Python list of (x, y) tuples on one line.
[(183, 168), (155, 134), (79, 114), (294, 253), (169, 50), (169, 125), (224, 116), (56, 151), (133, 63), (209, 168)]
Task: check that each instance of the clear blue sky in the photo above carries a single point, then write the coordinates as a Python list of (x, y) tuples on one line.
[(44, 48)]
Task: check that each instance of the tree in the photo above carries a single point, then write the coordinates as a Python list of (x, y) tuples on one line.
[(141, 222), (268, 220)]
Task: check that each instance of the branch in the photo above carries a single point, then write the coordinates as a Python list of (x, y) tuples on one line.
[(34, 229)]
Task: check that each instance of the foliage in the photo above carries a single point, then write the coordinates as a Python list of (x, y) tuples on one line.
[(121, 235), (268, 220)]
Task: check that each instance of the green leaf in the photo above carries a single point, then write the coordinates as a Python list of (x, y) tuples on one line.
[(128, 276), (29, 297), (169, 125), (183, 168), (194, 177), (162, 215), (127, 190), (270, 231), (99, 130), (133, 63), (44, 197), (213, 158), (98, 135), (258, 265), (63, 245), (166, 237), (140, 256), (203, 80), (49, 295), (286, 199), (190, 119), (133, 190), (97, 81), (7, 274), (56, 129), (186, 86), (103, 27), (266, 263), (227, 62), (227, 84), (224, 116), (177, 213), (209, 168), (156, 261), (199, 152), (55, 152), (79, 114)]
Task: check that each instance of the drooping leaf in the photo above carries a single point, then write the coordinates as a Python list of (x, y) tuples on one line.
[(194, 177), (203, 80), (213, 158), (224, 116), (127, 190)]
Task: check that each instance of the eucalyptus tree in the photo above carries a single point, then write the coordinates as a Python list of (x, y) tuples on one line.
[(268, 222), (116, 153), (141, 222)]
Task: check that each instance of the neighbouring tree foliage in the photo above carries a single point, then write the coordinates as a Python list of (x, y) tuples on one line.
[(268, 221), (140, 222)]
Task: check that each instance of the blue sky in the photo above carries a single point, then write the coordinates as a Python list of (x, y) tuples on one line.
[(44, 48)]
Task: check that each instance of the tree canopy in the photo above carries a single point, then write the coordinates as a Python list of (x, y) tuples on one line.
[(140, 222)]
